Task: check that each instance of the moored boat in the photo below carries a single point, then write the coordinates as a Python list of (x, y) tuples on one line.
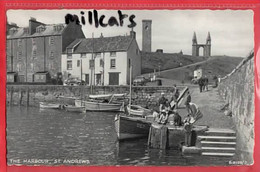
[(44, 105), (131, 127), (100, 106), (70, 108), (136, 110)]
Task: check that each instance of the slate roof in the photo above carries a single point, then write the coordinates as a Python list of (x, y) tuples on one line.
[(49, 30), (102, 44)]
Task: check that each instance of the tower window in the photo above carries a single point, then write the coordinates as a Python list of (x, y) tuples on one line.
[(146, 27)]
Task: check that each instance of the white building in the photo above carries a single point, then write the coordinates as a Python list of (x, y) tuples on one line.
[(198, 73), (102, 61)]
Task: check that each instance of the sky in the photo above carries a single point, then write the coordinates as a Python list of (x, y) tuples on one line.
[(172, 30)]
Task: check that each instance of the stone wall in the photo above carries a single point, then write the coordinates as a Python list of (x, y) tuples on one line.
[(237, 89), (31, 95)]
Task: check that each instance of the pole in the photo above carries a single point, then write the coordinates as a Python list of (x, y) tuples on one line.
[(130, 101), (91, 68)]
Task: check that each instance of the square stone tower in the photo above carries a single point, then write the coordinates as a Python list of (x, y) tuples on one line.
[(147, 36)]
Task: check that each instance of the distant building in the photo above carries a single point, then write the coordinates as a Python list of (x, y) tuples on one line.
[(38, 48), (198, 73), (147, 36), (102, 61), (196, 47)]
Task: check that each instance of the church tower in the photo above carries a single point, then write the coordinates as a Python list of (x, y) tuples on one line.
[(147, 36), (194, 45), (207, 48)]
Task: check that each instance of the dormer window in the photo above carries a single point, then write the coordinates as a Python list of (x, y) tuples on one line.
[(26, 30), (40, 29)]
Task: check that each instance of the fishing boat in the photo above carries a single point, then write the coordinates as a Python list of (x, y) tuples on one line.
[(79, 109), (100, 106), (136, 110), (102, 103), (128, 127), (44, 105)]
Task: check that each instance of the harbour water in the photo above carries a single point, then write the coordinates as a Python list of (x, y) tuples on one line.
[(56, 137)]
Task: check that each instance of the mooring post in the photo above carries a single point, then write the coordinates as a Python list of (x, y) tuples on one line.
[(149, 137), (11, 96), (164, 137), (28, 97)]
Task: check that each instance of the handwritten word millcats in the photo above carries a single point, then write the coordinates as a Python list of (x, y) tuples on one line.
[(93, 17)]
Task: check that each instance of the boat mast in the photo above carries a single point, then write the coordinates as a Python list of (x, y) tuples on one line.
[(130, 86)]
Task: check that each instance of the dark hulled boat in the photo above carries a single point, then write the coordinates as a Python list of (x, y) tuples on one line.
[(128, 127)]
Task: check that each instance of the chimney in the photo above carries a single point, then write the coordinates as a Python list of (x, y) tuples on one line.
[(159, 51), (33, 24), (133, 34), (12, 31)]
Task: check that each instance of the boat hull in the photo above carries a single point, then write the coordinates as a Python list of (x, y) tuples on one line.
[(97, 106), (131, 127), (80, 109), (49, 106)]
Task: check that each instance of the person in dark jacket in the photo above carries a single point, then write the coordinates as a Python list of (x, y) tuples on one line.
[(200, 82)]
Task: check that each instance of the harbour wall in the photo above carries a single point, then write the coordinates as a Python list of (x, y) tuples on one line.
[(237, 89), (31, 95)]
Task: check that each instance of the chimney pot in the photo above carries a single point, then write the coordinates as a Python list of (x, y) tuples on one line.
[(159, 50)]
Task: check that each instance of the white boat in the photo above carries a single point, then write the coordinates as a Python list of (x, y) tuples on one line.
[(44, 105), (70, 108), (135, 110), (99, 106)]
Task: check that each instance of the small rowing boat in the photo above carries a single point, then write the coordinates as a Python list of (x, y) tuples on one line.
[(136, 110), (44, 105)]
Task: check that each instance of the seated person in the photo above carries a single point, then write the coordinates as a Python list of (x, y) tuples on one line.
[(163, 117), (175, 118)]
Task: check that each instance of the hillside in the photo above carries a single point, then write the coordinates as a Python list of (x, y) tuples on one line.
[(164, 61), (216, 65)]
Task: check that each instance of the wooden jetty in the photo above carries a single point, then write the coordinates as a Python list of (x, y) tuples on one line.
[(170, 136), (203, 140)]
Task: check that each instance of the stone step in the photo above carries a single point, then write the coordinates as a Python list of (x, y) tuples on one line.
[(216, 154), (217, 144), (219, 132), (218, 149), (217, 138)]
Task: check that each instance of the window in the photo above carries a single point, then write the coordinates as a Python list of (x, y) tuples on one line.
[(78, 63), (113, 63), (98, 54), (34, 54), (19, 55), (113, 54), (69, 56), (33, 41), (69, 64), (101, 63), (83, 55), (51, 54), (51, 40), (19, 43), (91, 64), (19, 67), (137, 51)]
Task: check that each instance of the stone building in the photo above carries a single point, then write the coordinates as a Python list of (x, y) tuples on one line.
[(196, 47), (103, 60), (38, 48)]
